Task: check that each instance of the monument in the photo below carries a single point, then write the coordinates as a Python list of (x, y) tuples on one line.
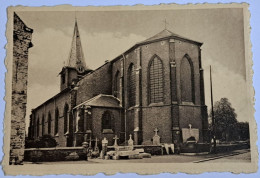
[(104, 147), (115, 143), (156, 138), (190, 132), (131, 142)]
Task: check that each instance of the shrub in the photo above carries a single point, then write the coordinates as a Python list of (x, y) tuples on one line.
[(46, 141)]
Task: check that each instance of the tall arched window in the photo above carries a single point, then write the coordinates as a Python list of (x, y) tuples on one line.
[(155, 73), (56, 121), (117, 85), (131, 85), (49, 123), (107, 120), (43, 124), (187, 80), (65, 116)]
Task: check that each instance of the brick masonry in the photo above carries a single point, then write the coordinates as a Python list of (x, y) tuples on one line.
[(169, 116), (22, 36)]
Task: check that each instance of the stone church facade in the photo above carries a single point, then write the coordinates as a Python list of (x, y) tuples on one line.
[(156, 84)]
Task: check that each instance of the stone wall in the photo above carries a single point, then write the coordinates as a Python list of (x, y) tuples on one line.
[(22, 36), (55, 154)]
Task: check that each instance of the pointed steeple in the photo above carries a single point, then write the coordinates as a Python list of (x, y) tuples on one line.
[(76, 57)]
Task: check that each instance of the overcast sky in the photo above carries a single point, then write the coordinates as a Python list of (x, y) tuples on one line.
[(105, 35)]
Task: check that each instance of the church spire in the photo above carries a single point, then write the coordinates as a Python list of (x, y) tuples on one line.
[(76, 57)]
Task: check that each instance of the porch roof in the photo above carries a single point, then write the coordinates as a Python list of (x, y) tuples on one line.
[(101, 100)]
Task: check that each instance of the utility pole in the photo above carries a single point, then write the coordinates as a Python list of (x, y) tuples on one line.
[(212, 114)]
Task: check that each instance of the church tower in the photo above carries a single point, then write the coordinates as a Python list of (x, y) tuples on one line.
[(75, 68)]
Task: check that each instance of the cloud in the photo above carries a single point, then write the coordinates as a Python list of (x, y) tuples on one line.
[(38, 94), (50, 50), (99, 47)]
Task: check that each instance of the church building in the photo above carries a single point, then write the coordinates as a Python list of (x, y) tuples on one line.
[(155, 85)]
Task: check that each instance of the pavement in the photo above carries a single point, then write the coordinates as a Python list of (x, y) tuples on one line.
[(234, 156), (242, 157)]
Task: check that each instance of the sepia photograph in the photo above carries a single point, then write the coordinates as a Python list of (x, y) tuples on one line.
[(129, 86)]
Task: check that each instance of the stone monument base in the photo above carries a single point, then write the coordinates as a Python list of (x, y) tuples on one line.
[(126, 152)]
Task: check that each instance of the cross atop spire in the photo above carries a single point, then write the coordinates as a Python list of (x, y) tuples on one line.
[(76, 57), (75, 15), (165, 24)]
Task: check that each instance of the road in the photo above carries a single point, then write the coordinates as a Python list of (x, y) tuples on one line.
[(235, 156), (244, 157)]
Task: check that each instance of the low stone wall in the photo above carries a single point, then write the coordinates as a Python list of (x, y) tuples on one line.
[(195, 148), (206, 147), (231, 147), (152, 149), (55, 154)]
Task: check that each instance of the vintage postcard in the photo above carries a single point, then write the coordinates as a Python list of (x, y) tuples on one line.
[(143, 89)]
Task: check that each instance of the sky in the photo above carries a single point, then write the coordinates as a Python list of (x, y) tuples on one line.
[(106, 34)]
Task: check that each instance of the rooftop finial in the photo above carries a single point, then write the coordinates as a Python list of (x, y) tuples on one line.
[(75, 14), (165, 24)]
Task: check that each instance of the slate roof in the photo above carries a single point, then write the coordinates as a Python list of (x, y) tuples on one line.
[(76, 56), (163, 35), (102, 100), (166, 34)]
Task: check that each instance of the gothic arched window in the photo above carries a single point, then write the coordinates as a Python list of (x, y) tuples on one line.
[(49, 123), (65, 116), (187, 80), (131, 85), (155, 74), (43, 125), (117, 85), (107, 121), (56, 121)]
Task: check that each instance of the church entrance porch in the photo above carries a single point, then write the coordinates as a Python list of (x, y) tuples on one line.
[(99, 117)]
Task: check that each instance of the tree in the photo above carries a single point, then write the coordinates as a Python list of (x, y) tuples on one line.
[(243, 130), (225, 120)]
